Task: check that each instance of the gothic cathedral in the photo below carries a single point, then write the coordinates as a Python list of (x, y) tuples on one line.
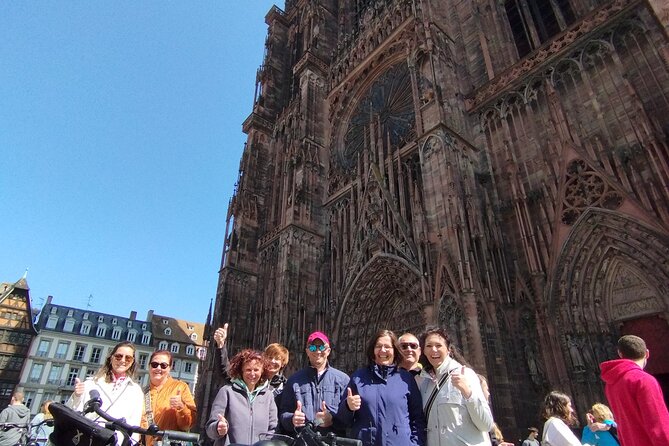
[(497, 167)]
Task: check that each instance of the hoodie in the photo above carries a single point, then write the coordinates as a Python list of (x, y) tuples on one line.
[(637, 402), (18, 414)]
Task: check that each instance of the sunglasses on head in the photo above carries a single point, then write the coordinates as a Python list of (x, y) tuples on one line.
[(121, 357), (409, 345), (162, 365), (317, 348)]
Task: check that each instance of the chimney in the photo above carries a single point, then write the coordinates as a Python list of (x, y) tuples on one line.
[(133, 315), (149, 315), (49, 299)]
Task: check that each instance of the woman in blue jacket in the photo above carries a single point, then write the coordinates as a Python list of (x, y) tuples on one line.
[(383, 405)]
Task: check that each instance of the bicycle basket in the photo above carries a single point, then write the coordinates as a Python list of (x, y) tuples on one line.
[(73, 429)]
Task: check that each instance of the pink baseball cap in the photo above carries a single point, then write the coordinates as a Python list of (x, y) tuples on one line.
[(318, 335)]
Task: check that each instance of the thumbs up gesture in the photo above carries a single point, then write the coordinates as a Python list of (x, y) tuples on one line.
[(176, 402), (299, 419), (222, 425), (220, 335), (324, 415), (78, 387), (353, 401), (460, 382)]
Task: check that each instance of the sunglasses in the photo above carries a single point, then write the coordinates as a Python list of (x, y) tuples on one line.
[(409, 346), (121, 357), (162, 365), (317, 348)]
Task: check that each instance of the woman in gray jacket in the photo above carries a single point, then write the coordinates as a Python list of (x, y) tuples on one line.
[(245, 408), (457, 412)]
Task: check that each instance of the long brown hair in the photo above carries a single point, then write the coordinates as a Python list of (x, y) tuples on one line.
[(556, 404), (106, 370)]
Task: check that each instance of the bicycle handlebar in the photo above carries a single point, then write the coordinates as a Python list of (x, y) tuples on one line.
[(152, 430), (312, 437)]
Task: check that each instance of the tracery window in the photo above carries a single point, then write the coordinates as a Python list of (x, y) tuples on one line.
[(388, 103), (533, 22)]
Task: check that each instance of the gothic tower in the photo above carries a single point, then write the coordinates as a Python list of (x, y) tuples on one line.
[(496, 167)]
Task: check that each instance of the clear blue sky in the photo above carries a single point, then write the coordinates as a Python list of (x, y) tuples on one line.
[(120, 140)]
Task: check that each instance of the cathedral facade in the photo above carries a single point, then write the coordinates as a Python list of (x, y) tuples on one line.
[(497, 167)]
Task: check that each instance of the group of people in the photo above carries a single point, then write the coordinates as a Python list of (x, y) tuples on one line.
[(411, 392), (165, 401), (635, 397), (437, 401), (393, 400)]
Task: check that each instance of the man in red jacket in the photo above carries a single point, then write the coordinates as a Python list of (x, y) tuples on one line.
[(635, 396)]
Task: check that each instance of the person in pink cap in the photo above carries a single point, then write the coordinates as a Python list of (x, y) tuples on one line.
[(312, 394)]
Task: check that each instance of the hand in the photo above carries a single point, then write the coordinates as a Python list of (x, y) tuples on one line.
[(324, 415), (595, 426), (222, 426), (354, 401), (220, 335), (460, 382), (176, 402), (78, 387), (299, 419)]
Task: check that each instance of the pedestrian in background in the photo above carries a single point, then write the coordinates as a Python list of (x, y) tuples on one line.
[(40, 430), (559, 415), (635, 396)]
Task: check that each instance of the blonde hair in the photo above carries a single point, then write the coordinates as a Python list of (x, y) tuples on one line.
[(45, 409), (277, 351), (601, 412), (496, 432)]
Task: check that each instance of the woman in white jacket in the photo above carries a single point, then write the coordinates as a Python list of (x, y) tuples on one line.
[(121, 396), (457, 412), (559, 415)]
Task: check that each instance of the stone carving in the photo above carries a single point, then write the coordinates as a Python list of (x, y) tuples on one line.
[(584, 188)]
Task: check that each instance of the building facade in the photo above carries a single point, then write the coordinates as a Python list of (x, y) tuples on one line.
[(74, 343), (496, 167), (16, 334)]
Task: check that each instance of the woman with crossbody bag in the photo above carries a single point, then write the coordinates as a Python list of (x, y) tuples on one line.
[(456, 409), (121, 396)]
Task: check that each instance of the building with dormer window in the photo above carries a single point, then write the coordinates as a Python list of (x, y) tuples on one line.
[(73, 343), (16, 334)]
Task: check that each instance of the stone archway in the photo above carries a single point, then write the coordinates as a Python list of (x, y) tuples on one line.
[(385, 294), (612, 269)]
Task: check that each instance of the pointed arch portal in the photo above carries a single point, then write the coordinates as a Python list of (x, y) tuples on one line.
[(385, 294)]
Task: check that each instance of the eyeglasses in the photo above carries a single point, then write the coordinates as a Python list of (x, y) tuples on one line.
[(317, 348), (162, 365), (409, 346), (121, 357)]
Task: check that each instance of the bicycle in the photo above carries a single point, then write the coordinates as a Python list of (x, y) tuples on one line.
[(28, 432), (74, 429), (92, 434)]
